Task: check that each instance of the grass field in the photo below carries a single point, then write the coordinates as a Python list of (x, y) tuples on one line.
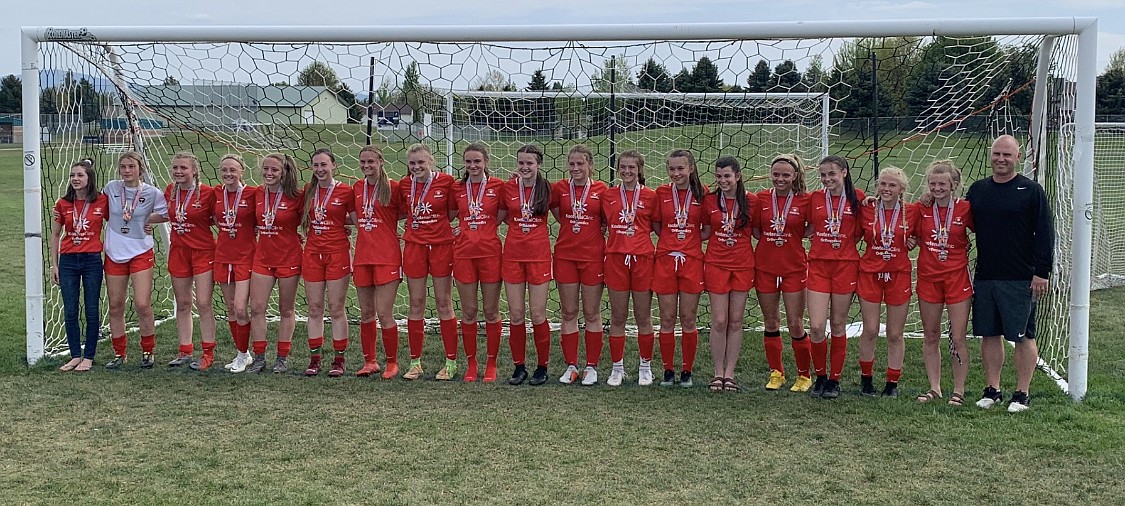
[(162, 435)]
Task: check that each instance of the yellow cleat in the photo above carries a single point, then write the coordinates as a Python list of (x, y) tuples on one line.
[(448, 372), (414, 373), (803, 384), (777, 380)]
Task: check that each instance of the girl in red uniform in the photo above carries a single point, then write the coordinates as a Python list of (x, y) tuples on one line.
[(76, 260), (426, 199), (527, 263), (579, 261), (191, 258), (942, 228), (133, 204), (377, 261), (728, 270), (833, 269), (678, 267), (277, 258), (628, 209), (234, 252), (327, 262), (885, 277), (781, 267), (479, 208)]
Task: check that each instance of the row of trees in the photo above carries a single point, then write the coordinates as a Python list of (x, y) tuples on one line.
[(71, 96)]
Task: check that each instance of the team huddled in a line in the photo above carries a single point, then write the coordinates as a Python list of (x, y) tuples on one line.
[(275, 234)]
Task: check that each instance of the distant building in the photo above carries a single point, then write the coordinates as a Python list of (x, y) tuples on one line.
[(239, 105)]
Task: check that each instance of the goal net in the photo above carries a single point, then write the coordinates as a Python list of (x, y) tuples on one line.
[(879, 96), (1109, 220)]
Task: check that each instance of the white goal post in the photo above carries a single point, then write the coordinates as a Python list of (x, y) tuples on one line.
[(939, 124)]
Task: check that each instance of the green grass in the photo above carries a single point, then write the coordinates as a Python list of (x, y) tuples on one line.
[(152, 436)]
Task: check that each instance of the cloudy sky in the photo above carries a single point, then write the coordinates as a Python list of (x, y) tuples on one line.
[(1111, 13)]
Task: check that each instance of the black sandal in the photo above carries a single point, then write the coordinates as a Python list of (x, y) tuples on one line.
[(957, 399), (929, 396), (730, 385), (716, 384)]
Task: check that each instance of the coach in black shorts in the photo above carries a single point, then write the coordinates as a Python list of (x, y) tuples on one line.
[(1015, 252)]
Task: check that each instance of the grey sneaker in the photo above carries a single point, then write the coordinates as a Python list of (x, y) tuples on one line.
[(116, 363), (259, 363), (147, 360), (182, 359), (281, 365)]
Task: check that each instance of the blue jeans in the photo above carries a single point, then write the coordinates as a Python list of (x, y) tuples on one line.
[(81, 271)]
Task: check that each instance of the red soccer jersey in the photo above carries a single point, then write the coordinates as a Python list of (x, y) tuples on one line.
[(478, 222), (781, 248), (587, 244), (616, 210), (427, 210), (191, 214), (277, 218), (823, 239), (377, 242), (956, 247), (528, 239), (892, 256), (328, 212), (82, 221), (234, 212), (673, 236), (729, 247)]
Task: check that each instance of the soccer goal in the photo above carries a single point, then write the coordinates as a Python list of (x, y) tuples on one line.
[(901, 92)]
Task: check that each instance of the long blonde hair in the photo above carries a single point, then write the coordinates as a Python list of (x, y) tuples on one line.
[(383, 192)]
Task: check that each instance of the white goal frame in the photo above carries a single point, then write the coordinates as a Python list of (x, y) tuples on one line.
[(1083, 162)]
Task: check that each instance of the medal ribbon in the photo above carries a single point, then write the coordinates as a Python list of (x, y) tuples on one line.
[(887, 229), (320, 207), (416, 203), (780, 217), (126, 207), (230, 214), (943, 232)]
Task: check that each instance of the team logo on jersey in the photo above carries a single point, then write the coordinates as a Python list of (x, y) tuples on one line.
[(426, 207)]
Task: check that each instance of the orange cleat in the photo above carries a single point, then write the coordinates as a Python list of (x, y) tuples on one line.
[(391, 371), (368, 369), (490, 372)]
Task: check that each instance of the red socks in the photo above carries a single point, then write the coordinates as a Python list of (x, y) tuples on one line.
[(492, 333), (208, 347), (449, 338), (148, 344), (893, 375), (315, 343), (416, 337), (368, 340), (839, 353), (866, 367), (594, 347), (390, 344), (819, 356), (469, 339), (617, 349), (542, 333), (187, 349), (340, 345), (282, 348), (644, 346), (772, 343), (569, 345), (517, 341), (241, 336), (691, 344), (802, 354), (260, 347), (668, 350)]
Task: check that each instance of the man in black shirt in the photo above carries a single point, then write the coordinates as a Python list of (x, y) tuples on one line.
[(1015, 254)]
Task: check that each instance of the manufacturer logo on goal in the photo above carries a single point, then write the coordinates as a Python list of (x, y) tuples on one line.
[(66, 34)]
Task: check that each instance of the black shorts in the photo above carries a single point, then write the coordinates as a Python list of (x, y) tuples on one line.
[(1004, 308)]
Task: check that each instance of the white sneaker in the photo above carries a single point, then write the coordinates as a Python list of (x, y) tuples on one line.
[(240, 363), (569, 376), (616, 376), (589, 376), (1020, 402), (644, 375), (232, 362)]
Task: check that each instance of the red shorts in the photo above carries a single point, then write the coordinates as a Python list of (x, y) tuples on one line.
[(419, 260), (532, 273), (277, 272), (569, 272), (473, 270), (833, 276), (375, 275), (185, 262), (768, 282), (321, 267), (231, 273), (624, 273), (723, 280), (139, 263), (890, 287), (949, 289), (672, 274)]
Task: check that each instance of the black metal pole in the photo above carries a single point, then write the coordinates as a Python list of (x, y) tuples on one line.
[(370, 99), (612, 120), (875, 111)]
